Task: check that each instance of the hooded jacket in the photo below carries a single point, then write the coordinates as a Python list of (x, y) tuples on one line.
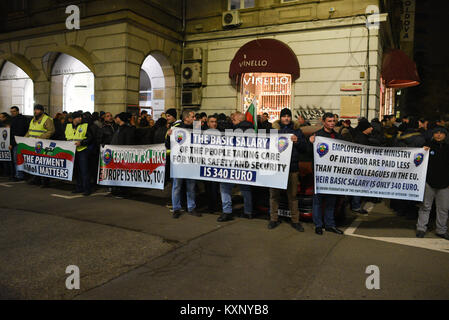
[(298, 147)]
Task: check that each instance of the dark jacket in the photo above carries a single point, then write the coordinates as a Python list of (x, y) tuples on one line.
[(298, 147), (144, 135), (124, 135), (244, 125), (265, 125), (437, 171), (19, 127), (159, 134), (59, 130), (410, 138), (365, 139), (332, 135), (106, 132), (347, 133)]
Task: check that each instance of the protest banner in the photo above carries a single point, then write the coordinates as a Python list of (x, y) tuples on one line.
[(233, 157), (140, 166), (353, 169), (46, 158), (5, 154)]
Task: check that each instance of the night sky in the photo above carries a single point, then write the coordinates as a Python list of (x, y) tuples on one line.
[(431, 97)]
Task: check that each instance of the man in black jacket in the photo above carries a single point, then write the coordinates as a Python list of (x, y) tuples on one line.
[(125, 134), (437, 185), (19, 127), (187, 122), (286, 125), (411, 137), (330, 199), (107, 130), (241, 125)]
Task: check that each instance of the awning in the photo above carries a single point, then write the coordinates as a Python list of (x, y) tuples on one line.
[(398, 70), (264, 55)]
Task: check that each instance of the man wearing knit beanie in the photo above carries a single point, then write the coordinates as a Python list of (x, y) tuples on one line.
[(437, 185), (286, 125), (171, 115)]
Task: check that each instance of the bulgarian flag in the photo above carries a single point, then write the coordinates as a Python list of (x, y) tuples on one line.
[(251, 113)]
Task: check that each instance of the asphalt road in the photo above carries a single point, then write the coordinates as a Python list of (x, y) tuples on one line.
[(132, 249)]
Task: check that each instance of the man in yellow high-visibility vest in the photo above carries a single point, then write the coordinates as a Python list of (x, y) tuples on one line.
[(81, 134), (42, 127)]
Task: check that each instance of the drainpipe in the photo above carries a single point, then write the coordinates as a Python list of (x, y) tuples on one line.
[(183, 46), (368, 71)]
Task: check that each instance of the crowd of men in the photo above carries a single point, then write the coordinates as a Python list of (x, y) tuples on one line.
[(90, 131)]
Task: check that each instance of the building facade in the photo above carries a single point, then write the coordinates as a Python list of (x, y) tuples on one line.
[(162, 54)]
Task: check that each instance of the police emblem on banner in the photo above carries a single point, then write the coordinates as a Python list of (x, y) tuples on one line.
[(5, 134), (38, 147), (107, 156), (181, 136), (322, 149), (418, 159), (282, 143)]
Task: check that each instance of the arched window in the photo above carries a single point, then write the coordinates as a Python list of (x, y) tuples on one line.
[(157, 85), (72, 87), (16, 89)]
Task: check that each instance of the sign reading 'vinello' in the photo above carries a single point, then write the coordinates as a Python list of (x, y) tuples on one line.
[(353, 169), (232, 157)]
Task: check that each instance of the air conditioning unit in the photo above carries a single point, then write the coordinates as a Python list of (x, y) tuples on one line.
[(191, 73), (191, 97), (231, 19), (191, 54)]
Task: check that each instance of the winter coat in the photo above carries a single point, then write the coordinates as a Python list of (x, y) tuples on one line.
[(159, 134), (437, 172), (365, 139), (244, 125), (125, 135), (332, 135), (410, 138), (19, 127), (106, 132)]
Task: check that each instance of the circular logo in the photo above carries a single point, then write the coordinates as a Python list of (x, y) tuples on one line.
[(38, 147), (418, 159), (181, 136), (282, 144), (322, 149), (107, 156), (4, 134)]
